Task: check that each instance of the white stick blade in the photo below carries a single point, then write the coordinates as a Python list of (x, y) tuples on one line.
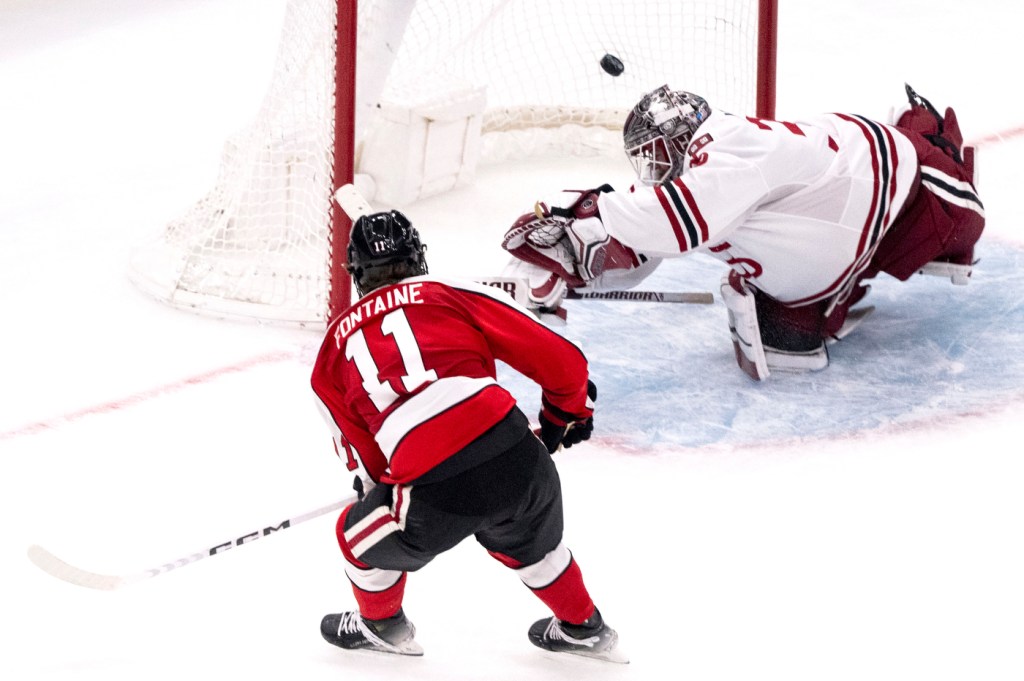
[(352, 202), (54, 566)]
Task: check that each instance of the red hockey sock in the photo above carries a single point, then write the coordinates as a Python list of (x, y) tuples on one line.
[(567, 596), (378, 605)]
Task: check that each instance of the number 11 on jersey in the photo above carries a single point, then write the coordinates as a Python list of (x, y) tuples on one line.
[(396, 325)]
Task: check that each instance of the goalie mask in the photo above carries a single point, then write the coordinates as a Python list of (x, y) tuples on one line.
[(658, 130), (384, 248)]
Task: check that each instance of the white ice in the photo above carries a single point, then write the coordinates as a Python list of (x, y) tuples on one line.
[(854, 526)]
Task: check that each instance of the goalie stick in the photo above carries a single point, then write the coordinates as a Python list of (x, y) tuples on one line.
[(352, 202), (700, 297), (517, 288), (54, 566)]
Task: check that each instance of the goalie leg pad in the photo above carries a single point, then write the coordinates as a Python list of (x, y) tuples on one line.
[(768, 336), (743, 326), (794, 337)]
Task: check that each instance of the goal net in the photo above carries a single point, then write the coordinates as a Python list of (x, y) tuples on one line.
[(408, 97)]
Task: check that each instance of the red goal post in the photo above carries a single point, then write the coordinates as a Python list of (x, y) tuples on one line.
[(406, 98)]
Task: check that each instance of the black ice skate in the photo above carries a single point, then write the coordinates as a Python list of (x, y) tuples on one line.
[(351, 631), (593, 638)]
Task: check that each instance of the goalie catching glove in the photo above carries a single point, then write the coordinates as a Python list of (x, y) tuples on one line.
[(571, 242), (561, 429)]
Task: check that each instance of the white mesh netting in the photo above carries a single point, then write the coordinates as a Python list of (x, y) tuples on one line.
[(257, 244)]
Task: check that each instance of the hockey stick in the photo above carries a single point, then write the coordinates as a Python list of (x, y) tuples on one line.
[(518, 287), (52, 565), (701, 298), (352, 202)]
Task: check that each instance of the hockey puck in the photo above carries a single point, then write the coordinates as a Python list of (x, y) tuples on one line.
[(612, 65)]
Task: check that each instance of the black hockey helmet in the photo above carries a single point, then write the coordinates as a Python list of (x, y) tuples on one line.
[(384, 248)]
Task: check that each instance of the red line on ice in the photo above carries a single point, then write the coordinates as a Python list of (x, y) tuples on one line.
[(1001, 136), (145, 395)]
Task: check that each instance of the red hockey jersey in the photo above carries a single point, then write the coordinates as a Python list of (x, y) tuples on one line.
[(407, 374)]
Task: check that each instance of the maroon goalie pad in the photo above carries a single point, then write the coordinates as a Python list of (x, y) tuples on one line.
[(942, 218)]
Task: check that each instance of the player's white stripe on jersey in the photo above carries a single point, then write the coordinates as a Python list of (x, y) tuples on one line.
[(547, 569), (439, 396), (950, 189)]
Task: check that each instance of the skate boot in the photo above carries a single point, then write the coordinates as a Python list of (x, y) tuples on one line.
[(593, 638), (351, 631)]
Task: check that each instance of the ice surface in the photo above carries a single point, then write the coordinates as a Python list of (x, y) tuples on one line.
[(859, 523)]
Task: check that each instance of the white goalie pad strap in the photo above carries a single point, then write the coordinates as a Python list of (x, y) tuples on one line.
[(547, 569), (796, 362), (372, 579), (958, 274), (743, 326), (380, 522)]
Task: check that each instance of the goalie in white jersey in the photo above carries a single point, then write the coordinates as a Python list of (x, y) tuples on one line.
[(801, 212)]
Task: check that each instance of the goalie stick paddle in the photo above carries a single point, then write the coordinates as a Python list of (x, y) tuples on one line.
[(54, 566)]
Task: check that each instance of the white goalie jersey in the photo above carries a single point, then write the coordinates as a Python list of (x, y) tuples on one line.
[(796, 208)]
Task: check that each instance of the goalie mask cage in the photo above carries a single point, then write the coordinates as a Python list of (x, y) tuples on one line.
[(267, 241)]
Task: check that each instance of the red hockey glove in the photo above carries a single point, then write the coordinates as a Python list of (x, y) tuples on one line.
[(562, 429)]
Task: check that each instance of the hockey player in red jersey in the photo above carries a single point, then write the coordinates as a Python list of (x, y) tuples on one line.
[(803, 213), (406, 376)]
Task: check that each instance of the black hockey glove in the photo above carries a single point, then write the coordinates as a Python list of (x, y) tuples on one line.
[(561, 429)]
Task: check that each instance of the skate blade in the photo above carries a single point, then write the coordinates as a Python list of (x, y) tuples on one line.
[(614, 655), (408, 648)]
